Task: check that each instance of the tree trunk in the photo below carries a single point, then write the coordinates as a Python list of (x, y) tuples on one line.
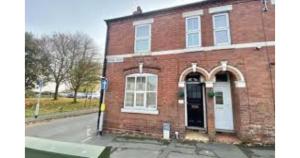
[(75, 96), (56, 91)]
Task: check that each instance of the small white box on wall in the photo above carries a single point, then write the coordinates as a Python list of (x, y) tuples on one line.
[(180, 101), (166, 130)]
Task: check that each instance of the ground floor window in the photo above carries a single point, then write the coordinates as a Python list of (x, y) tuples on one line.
[(141, 91)]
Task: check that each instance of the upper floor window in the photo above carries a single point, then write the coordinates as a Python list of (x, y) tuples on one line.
[(142, 38), (141, 92), (221, 29), (193, 33), (273, 1)]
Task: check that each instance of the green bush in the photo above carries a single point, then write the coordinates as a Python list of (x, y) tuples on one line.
[(180, 93)]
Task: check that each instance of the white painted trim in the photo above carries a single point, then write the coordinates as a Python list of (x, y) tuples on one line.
[(135, 75), (116, 58), (204, 106), (187, 32), (209, 84), (272, 1), (185, 106), (142, 38), (222, 29), (141, 22), (240, 84), (140, 111), (192, 13), (224, 65), (224, 85), (181, 84), (141, 67), (220, 9), (190, 69), (238, 71)]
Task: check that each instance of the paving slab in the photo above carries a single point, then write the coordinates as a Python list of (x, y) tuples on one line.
[(207, 153), (132, 153), (181, 155), (223, 150), (184, 150), (258, 153)]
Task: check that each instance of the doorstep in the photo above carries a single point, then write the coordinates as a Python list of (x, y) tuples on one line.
[(228, 138), (202, 136), (196, 135)]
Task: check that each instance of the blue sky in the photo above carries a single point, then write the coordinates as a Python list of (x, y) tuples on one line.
[(49, 16)]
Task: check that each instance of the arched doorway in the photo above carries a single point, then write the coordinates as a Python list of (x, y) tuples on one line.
[(226, 79), (195, 101)]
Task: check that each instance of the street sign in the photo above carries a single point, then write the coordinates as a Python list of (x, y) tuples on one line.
[(40, 84), (104, 84)]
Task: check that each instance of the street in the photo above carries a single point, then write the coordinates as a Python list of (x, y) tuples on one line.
[(82, 129)]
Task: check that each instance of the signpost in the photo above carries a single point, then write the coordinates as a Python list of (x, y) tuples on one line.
[(37, 107), (104, 86)]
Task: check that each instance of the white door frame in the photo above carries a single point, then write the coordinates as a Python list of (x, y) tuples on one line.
[(226, 84), (204, 108)]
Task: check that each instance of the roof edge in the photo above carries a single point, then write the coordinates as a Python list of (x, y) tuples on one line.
[(161, 10)]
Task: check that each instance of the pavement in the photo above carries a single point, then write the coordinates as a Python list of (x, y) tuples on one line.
[(82, 129)]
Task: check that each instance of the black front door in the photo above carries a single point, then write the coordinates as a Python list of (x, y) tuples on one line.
[(195, 111)]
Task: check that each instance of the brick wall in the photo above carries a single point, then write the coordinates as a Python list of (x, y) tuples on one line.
[(168, 28), (253, 106)]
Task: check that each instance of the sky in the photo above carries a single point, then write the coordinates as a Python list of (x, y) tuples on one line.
[(87, 16)]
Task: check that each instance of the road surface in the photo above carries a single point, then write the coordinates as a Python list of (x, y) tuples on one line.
[(82, 129)]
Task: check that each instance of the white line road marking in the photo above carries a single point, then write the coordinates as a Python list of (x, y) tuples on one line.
[(86, 139), (88, 131)]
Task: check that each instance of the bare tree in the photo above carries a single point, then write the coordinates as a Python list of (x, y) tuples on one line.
[(36, 62), (72, 58), (85, 67), (61, 56)]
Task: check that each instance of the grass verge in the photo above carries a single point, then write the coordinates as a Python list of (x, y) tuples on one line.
[(50, 106)]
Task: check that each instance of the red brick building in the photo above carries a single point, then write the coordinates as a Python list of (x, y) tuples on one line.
[(207, 66)]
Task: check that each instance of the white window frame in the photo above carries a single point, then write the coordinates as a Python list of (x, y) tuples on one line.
[(220, 9), (273, 1), (137, 109), (142, 38), (187, 32), (222, 29)]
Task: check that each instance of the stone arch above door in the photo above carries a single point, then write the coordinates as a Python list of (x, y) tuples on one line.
[(193, 68), (209, 76), (240, 79)]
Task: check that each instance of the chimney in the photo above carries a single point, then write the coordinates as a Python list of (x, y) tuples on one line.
[(138, 11)]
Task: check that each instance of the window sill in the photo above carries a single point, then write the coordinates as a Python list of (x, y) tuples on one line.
[(141, 54), (193, 47), (222, 45), (140, 111)]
